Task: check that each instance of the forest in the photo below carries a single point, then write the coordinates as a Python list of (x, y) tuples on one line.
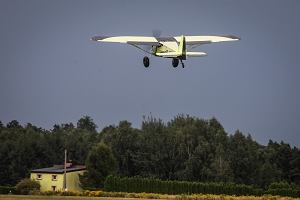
[(185, 148)]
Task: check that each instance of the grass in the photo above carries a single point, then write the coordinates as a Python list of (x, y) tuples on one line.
[(40, 197), (199, 197)]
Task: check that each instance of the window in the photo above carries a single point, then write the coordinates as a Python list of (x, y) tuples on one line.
[(54, 177), (39, 176), (53, 188)]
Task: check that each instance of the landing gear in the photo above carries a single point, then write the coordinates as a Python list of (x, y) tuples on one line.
[(182, 63), (146, 61), (175, 62)]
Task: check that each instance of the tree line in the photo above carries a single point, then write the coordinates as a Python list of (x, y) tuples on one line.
[(183, 149)]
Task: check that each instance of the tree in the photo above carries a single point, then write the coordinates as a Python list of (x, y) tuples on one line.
[(295, 166), (184, 148), (78, 143), (13, 124), (244, 158), (125, 143), (87, 123), (153, 157), (100, 163)]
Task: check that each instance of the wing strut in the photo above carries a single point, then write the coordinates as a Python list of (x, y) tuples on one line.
[(151, 53)]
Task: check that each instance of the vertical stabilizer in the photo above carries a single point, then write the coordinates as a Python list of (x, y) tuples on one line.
[(182, 48)]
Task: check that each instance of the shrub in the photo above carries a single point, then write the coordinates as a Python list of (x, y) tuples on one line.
[(279, 185), (135, 184), (70, 193), (27, 185), (7, 190), (64, 193), (50, 193), (283, 189)]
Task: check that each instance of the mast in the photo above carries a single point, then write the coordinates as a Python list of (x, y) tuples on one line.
[(65, 172)]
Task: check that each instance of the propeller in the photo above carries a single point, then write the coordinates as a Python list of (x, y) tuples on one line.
[(156, 32)]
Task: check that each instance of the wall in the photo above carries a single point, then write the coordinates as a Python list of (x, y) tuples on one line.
[(47, 182), (73, 183)]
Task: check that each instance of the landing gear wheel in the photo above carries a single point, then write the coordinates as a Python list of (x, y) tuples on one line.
[(146, 61), (175, 62)]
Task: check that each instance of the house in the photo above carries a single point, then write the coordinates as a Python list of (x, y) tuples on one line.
[(52, 178)]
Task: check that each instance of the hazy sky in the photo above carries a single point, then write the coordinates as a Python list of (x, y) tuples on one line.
[(50, 71)]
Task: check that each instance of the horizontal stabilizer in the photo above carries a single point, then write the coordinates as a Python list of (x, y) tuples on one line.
[(196, 54), (169, 54)]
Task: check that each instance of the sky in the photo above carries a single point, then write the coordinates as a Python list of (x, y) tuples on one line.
[(52, 73)]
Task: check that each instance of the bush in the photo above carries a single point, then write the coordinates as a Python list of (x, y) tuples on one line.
[(279, 185), (7, 190), (136, 184), (27, 186), (50, 193), (283, 189)]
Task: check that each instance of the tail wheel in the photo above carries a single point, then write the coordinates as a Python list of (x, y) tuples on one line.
[(175, 62), (146, 61)]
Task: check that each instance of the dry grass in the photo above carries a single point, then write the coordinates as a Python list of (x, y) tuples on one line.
[(41, 197), (190, 197)]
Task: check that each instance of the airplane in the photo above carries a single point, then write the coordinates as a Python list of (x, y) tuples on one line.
[(177, 48)]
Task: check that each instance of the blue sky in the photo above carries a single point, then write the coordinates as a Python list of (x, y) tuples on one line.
[(50, 71)]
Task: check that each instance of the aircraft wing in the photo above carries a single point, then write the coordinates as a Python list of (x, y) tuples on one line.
[(143, 40), (202, 39), (195, 41), (133, 40), (171, 42)]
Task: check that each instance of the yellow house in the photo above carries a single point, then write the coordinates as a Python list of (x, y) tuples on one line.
[(52, 178)]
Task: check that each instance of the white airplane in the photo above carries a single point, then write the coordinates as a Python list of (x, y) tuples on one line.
[(177, 48)]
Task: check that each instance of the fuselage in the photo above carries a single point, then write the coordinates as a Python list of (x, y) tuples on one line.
[(170, 49)]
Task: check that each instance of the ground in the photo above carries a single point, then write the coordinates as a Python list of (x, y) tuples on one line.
[(202, 197), (37, 197)]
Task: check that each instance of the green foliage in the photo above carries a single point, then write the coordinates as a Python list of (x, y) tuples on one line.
[(136, 184), (7, 190), (25, 148), (183, 149), (125, 143), (279, 185), (100, 163), (27, 186), (13, 124), (61, 193), (284, 189), (86, 123)]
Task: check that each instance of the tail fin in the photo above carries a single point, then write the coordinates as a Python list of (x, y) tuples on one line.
[(182, 48)]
